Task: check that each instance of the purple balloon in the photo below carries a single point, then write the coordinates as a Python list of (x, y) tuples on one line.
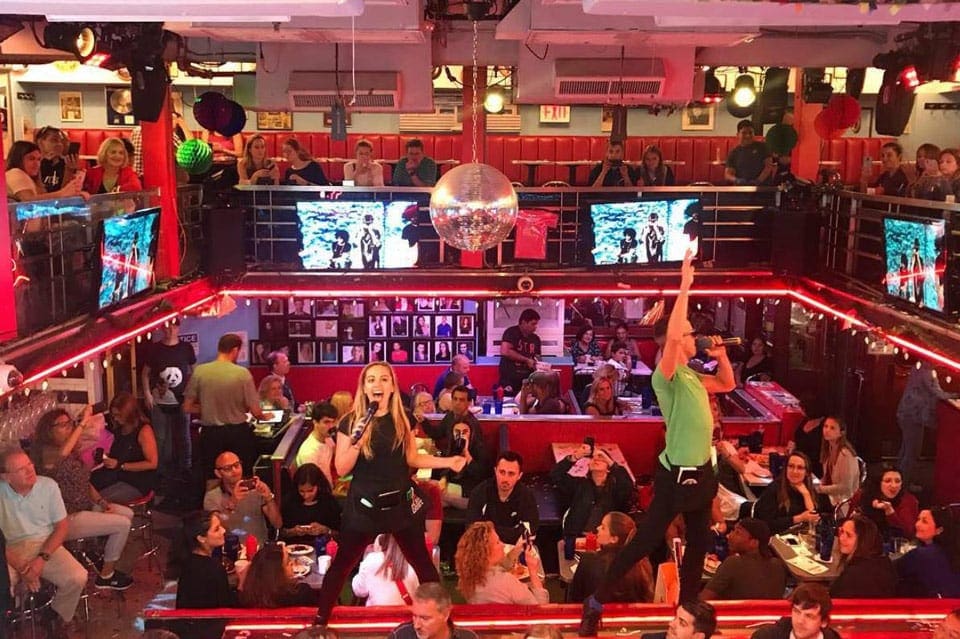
[(206, 110), (234, 119)]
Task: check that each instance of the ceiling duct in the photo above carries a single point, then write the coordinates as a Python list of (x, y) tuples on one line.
[(635, 80), (377, 91)]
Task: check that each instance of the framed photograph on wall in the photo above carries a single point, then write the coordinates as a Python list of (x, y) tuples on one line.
[(400, 326), (354, 354), (327, 328), (465, 326), (271, 306), (119, 104), (299, 308), (467, 349), (301, 328), (326, 308), (306, 353), (443, 351), (698, 117), (274, 120), (421, 352), (421, 326), (606, 119), (328, 353), (378, 326), (376, 351), (259, 351), (353, 309), (71, 106), (399, 352), (443, 327)]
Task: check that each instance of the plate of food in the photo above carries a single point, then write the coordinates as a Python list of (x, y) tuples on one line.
[(299, 550), (301, 568), (520, 571)]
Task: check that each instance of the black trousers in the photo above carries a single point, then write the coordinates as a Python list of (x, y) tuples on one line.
[(237, 438), (352, 545), (669, 499)]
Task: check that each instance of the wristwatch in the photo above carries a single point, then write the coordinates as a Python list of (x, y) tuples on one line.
[(44, 555)]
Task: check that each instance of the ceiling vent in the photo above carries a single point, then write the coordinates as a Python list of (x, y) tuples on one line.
[(377, 91), (637, 80)]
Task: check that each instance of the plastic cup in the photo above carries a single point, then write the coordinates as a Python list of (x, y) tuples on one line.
[(323, 564)]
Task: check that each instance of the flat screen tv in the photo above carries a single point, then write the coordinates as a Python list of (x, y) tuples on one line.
[(128, 251), (915, 262), (341, 235), (645, 232)]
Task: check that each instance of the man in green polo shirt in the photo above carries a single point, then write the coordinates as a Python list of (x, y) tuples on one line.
[(684, 481)]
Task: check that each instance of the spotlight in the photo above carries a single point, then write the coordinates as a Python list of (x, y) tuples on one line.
[(78, 39), (908, 77), (744, 91), (493, 102), (816, 90), (712, 89)]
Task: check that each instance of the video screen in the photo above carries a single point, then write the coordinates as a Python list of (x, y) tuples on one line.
[(916, 261), (128, 249), (647, 232), (339, 235)]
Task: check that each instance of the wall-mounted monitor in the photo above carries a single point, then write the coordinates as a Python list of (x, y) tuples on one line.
[(916, 262), (342, 235), (128, 251), (645, 232)]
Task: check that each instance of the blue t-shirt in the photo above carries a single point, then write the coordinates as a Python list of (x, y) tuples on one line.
[(32, 516)]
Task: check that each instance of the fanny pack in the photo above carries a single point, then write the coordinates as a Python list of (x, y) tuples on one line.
[(387, 500)]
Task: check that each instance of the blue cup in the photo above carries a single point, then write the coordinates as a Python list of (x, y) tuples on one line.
[(826, 543), (498, 407), (487, 407)]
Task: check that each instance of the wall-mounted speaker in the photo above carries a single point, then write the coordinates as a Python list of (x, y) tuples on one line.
[(772, 101), (148, 87)]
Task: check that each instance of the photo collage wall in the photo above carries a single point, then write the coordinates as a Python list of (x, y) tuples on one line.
[(422, 330)]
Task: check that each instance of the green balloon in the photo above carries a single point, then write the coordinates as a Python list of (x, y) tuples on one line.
[(781, 138), (195, 157)]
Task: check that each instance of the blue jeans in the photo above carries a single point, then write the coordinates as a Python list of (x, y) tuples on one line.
[(910, 444)]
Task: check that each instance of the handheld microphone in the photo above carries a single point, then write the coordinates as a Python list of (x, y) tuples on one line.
[(361, 425), (704, 342)]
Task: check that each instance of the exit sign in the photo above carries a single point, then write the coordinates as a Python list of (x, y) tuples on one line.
[(554, 114)]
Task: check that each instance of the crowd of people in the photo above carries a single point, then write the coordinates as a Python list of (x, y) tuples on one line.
[(387, 522)]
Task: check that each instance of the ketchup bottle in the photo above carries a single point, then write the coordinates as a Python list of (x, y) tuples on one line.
[(251, 544)]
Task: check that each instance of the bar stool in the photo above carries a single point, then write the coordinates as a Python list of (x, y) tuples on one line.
[(33, 608), (142, 526)]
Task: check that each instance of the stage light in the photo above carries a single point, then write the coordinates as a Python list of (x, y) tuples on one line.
[(78, 39), (713, 92), (744, 91), (908, 77), (494, 101)]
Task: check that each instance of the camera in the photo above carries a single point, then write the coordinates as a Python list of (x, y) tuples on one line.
[(249, 484), (459, 442), (616, 163), (98, 456)]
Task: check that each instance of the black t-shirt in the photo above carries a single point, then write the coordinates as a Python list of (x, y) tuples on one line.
[(613, 176), (747, 161), (513, 373), (52, 172), (171, 364), (312, 173), (203, 584), (387, 470), (508, 516), (295, 513), (895, 183)]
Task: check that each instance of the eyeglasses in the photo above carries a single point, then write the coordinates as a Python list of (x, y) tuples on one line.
[(63, 422), (234, 466)]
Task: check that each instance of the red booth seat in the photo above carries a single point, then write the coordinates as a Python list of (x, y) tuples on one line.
[(702, 156)]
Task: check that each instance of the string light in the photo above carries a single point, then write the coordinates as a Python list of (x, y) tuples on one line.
[(248, 302), (106, 363), (918, 364), (45, 385)]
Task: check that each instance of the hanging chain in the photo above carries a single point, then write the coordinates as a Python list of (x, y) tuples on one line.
[(475, 102)]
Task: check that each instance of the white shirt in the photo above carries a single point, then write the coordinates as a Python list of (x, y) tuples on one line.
[(379, 590), (17, 181)]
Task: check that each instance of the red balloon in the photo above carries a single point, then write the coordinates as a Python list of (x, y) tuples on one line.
[(826, 125), (847, 109)]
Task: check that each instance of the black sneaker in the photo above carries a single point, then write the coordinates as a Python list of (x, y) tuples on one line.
[(117, 581), (589, 621)]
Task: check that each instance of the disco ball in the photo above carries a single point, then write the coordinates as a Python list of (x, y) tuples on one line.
[(473, 207), (195, 156)]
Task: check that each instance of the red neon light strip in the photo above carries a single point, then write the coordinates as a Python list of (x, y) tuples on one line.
[(809, 301), (113, 341), (546, 292), (926, 352)]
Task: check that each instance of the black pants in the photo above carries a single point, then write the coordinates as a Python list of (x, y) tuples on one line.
[(236, 438), (669, 499), (352, 545)]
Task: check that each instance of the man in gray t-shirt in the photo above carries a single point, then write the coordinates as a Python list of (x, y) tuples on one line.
[(223, 393), (244, 507)]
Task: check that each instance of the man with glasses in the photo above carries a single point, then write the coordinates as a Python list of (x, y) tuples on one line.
[(34, 521), (242, 503), (684, 482)]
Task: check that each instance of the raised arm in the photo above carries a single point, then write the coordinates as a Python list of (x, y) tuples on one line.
[(677, 324)]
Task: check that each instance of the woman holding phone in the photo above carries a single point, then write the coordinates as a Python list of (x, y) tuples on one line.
[(375, 443), (60, 157)]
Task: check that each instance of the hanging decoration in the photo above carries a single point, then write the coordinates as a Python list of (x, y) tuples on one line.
[(473, 207), (195, 156), (781, 138)]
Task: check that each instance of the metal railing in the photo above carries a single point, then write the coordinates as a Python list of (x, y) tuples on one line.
[(852, 235), (736, 222), (54, 245)]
